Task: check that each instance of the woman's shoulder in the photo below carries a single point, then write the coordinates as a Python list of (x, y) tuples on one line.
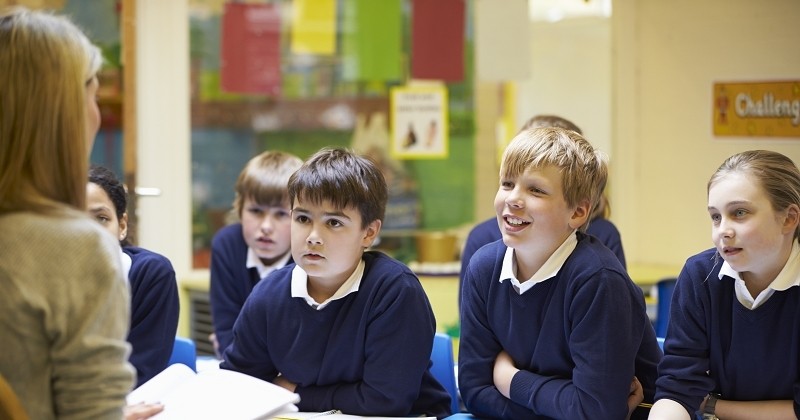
[(70, 227)]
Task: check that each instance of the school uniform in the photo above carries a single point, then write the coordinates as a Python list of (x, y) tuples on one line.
[(154, 310), (716, 344), (578, 331), (365, 351), (489, 231), (232, 279)]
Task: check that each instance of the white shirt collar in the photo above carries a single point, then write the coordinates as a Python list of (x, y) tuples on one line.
[(788, 277), (300, 286), (126, 264), (253, 261), (547, 271)]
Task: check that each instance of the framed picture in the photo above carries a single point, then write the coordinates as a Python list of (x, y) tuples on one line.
[(419, 122)]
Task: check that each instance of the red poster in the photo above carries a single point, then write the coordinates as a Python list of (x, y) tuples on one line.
[(437, 46), (251, 49)]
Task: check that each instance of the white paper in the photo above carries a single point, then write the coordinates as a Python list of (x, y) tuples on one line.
[(215, 393)]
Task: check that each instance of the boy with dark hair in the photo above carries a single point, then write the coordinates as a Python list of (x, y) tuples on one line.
[(345, 328), (552, 326)]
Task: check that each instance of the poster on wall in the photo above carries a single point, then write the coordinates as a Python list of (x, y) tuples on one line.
[(419, 122), (769, 109), (250, 58)]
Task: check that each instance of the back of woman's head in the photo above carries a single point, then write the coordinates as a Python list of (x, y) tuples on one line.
[(46, 62)]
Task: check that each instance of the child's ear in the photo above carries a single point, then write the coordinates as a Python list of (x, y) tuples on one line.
[(580, 215), (791, 219), (123, 226), (373, 228)]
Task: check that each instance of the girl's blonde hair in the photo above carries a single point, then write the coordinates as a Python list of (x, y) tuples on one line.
[(583, 169), (46, 63)]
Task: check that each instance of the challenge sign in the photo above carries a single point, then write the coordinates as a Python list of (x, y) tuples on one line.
[(769, 109)]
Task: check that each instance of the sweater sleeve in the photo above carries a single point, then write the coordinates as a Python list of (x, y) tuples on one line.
[(248, 352), (682, 373), (154, 314), (91, 376), (227, 292), (479, 347), (604, 338), (399, 339)]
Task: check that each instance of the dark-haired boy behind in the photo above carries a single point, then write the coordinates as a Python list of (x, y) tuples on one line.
[(345, 328)]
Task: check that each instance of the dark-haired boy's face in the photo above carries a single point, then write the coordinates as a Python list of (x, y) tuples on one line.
[(327, 243)]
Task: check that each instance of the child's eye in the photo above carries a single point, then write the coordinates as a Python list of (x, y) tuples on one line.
[(507, 185), (301, 218), (716, 218), (102, 219), (255, 210), (335, 223), (740, 213), (282, 214)]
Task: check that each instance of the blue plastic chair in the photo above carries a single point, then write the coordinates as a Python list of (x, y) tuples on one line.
[(665, 287), (443, 365), (184, 351)]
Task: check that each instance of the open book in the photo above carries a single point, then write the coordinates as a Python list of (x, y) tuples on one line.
[(213, 394)]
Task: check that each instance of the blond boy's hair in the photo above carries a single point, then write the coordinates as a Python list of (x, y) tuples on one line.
[(583, 169), (265, 180)]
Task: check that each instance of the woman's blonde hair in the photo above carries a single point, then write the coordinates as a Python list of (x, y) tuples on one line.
[(46, 63)]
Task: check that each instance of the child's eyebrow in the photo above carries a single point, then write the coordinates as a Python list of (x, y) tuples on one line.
[(337, 214)]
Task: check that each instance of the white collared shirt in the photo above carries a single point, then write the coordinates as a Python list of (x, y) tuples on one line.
[(263, 270), (126, 264), (788, 277), (547, 271), (300, 286)]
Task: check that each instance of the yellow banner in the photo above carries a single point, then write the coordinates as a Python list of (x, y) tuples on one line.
[(314, 27), (770, 109)]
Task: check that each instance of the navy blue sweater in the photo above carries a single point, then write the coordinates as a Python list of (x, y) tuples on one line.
[(579, 338), (367, 353), (231, 280), (749, 355), (154, 311), (489, 231)]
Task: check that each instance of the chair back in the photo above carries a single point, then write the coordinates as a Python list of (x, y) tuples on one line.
[(10, 406), (664, 288), (184, 351), (443, 367)]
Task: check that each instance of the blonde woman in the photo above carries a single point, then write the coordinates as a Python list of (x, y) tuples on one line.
[(63, 299)]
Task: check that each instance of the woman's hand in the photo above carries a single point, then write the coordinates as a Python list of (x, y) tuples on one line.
[(142, 411)]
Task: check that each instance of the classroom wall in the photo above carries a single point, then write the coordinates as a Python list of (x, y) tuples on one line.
[(666, 57), (658, 65)]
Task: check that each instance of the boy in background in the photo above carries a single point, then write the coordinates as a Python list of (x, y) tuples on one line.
[(552, 326), (243, 253), (344, 328)]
